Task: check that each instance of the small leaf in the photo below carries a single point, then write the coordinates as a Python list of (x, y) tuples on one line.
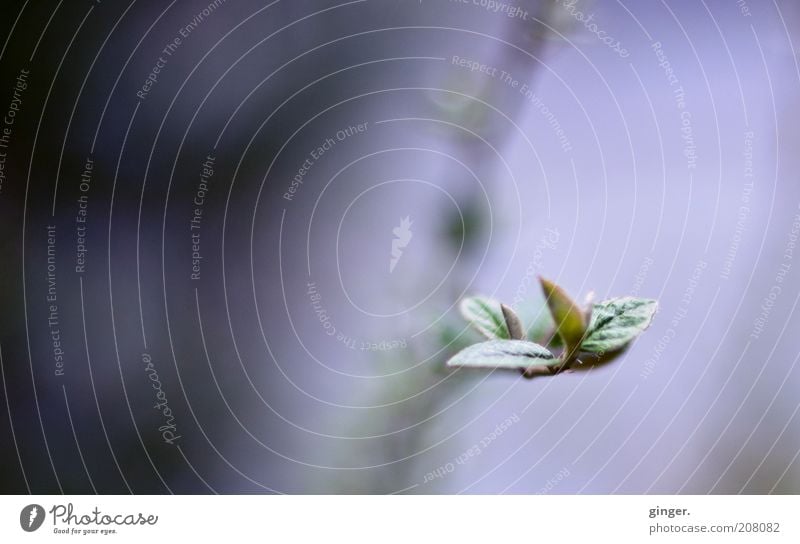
[(567, 315), (616, 322), (515, 329), (486, 315), (503, 354), (588, 304)]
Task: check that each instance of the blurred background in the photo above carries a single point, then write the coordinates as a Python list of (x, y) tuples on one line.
[(235, 234)]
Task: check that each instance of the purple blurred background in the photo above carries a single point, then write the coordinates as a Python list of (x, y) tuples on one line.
[(276, 343)]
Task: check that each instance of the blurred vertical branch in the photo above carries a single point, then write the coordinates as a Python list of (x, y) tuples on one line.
[(464, 231)]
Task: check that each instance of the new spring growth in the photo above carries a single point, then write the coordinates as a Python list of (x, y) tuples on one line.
[(562, 337)]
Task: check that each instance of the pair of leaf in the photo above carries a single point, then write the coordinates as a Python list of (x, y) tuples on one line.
[(490, 318), (607, 326)]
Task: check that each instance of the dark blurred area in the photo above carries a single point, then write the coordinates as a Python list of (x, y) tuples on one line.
[(235, 235)]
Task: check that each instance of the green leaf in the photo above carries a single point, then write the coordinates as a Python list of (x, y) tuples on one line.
[(616, 322), (503, 354), (486, 315), (567, 315)]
